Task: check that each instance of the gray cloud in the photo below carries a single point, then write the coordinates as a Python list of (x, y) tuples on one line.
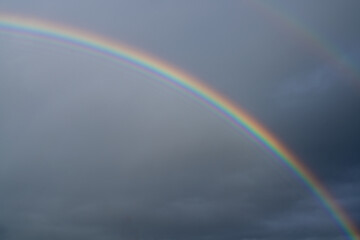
[(91, 149)]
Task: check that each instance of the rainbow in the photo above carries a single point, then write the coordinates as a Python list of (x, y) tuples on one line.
[(324, 48), (180, 80)]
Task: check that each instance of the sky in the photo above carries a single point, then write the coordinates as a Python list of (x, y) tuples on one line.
[(93, 149)]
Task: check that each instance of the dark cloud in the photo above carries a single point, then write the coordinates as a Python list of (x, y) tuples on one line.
[(91, 149)]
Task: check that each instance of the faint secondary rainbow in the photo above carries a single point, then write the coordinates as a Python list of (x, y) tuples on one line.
[(314, 40), (180, 80)]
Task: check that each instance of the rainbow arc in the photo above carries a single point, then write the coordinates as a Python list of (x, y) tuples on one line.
[(181, 80)]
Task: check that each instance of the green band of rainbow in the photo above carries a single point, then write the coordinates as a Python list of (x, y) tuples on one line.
[(181, 80)]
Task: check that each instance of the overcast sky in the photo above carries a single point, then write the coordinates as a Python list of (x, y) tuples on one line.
[(90, 149)]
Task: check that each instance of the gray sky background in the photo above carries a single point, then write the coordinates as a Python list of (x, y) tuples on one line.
[(90, 149)]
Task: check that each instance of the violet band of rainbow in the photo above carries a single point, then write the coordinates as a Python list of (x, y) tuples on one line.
[(180, 80)]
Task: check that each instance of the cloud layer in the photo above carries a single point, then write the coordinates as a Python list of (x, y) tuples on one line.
[(91, 149)]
